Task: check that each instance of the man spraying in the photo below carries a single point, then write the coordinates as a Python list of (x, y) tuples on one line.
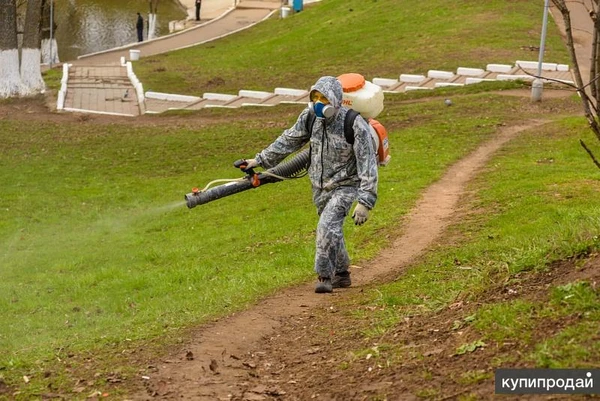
[(340, 173)]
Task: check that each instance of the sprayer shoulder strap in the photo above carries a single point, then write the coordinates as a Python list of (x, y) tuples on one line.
[(310, 121), (348, 124)]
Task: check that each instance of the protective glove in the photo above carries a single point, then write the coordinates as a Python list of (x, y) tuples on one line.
[(360, 214), (245, 164), (251, 163)]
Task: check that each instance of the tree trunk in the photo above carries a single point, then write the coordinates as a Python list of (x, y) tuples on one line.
[(152, 19), (10, 81), (151, 26), (49, 47), (595, 60), (594, 64), (31, 75)]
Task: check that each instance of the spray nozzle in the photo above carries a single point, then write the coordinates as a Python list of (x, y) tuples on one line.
[(191, 199)]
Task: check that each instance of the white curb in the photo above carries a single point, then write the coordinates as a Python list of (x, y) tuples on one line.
[(533, 65), (501, 68), (385, 82), (440, 74), (415, 88), (503, 77), (472, 72), (412, 78), (290, 92), (172, 98), (442, 84), (471, 80), (218, 96), (254, 94)]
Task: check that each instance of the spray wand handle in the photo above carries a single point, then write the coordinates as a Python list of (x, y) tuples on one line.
[(242, 164)]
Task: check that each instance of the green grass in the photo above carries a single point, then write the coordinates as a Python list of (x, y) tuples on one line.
[(474, 377), (574, 346), (52, 78), (506, 321), (576, 297), (376, 38)]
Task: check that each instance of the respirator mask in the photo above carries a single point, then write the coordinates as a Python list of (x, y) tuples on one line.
[(320, 105)]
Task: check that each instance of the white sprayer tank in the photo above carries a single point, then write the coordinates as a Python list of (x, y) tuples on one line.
[(367, 98), (361, 95)]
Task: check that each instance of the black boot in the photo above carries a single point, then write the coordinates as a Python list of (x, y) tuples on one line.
[(341, 280), (323, 285)]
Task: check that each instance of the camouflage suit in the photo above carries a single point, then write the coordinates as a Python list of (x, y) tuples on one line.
[(340, 173)]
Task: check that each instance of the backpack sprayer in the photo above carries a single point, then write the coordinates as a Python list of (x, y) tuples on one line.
[(290, 169)]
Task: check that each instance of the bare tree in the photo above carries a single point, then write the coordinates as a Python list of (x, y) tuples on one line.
[(152, 18), (10, 81), (31, 75), (590, 91), (20, 77), (48, 46)]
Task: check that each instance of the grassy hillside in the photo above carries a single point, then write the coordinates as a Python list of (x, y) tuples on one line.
[(376, 38)]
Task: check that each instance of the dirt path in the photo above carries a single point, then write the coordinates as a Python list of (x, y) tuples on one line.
[(212, 365)]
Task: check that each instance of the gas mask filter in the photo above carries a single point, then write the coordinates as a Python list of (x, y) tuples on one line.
[(323, 110)]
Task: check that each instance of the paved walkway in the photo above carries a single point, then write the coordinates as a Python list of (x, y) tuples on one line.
[(105, 90), (231, 21), (101, 82), (582, 27)]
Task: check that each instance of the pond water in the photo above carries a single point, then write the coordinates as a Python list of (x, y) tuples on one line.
[(88, 26)]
